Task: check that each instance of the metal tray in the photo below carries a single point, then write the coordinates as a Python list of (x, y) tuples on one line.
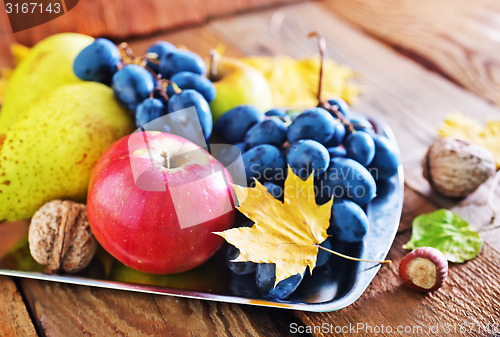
[(334, 286)]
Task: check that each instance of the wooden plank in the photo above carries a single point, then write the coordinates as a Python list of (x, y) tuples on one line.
[(66, 310), (411, 99), (125, 18), (459, 39), (14, 318)]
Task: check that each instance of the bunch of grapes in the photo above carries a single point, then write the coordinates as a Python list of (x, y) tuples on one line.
[(339, 148), (164, 80)]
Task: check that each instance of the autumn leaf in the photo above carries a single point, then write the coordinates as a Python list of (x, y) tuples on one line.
[(460, 126), (285, 233), (294, 83)]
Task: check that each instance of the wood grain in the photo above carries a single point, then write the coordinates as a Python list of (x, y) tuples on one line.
[(14, 318), (66, 310), (126, 18), (459, 40)]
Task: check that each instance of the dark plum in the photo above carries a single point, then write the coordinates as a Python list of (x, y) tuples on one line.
[(232, 126), (270, 131), (306, 156)]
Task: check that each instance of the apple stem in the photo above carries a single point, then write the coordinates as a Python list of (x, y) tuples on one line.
[(166, 158), (214, 60), (389, 262)]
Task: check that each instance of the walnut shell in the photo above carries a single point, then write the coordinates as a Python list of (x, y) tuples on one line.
[(60, 236), (456, 168)]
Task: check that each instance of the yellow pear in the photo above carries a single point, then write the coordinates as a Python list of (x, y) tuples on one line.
[(47, 66), (50, 150), (238, 83)]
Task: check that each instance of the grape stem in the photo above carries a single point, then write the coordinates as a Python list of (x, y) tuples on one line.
[(332, 109), (389, 262)]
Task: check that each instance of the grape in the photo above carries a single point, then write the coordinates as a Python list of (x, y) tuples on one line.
[(266, 277), (265, 163), (190, 98), (149, 110), (316, 124), (232, 126), (270, 131), (351, 180), (327, 186), (276, 112), (342, 106), (239, 268), (97, 62), (306, 156), (338, 136), (348, 221), (181, 60), (131, 85), (360, 123), (360, 147), (386, 161), (323, 255), (337, 152), (160, 48), (275, 190), (189, 80)]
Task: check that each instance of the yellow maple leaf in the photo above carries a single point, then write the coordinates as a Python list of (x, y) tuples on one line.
[(294, 83), (460, 126), (285, 233)]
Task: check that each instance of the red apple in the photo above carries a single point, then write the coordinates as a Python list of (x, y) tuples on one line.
[(154, 200)]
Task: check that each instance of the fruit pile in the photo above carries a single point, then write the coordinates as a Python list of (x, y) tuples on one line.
[(340, 148), (165, 80)]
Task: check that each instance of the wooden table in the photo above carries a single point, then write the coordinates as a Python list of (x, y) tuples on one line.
[(419, 61)]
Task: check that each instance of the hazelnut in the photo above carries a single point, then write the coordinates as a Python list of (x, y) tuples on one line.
[(60, 237), (456, 168), (424, 269)]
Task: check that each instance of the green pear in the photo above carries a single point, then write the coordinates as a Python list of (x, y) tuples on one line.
[(50, 150), (238, 83), (47, 66)]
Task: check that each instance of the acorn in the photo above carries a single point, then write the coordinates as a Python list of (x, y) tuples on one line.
[(424, 269)]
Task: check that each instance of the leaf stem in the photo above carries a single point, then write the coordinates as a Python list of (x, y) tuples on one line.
[(389, 262)]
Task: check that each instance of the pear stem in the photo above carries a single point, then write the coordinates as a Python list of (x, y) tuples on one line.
[(389, 262), (214, 60)]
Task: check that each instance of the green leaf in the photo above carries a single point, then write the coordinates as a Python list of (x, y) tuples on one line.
[(448, 232)]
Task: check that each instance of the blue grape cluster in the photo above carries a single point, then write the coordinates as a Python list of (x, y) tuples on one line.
[(165, 80), (341, 150)]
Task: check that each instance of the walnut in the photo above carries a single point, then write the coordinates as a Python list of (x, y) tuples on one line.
[(60, 237), (456, 168)]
